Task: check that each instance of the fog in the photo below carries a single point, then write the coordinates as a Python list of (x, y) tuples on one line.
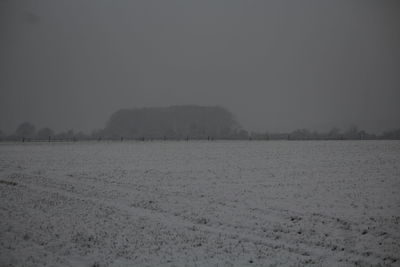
[(276, 65)]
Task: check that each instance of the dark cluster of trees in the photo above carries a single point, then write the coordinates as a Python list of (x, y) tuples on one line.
[(182, 122), (175, 122)]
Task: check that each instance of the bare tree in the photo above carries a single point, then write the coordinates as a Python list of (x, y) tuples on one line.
[(25, 130)]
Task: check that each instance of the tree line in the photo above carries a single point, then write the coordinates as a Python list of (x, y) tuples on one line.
[(182, 123), (27, 132), (352, 133)]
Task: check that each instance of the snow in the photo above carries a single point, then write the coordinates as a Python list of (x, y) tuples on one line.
[(198, 203)]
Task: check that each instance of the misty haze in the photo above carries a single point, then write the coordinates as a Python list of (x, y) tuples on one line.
[(199, 133)]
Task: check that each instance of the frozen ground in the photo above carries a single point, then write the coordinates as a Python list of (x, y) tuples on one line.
[(200, 203)]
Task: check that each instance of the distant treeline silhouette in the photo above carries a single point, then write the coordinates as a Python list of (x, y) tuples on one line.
[(182, 123), (175, 122), (353, 133)]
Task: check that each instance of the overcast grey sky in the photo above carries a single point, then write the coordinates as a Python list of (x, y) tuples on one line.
[(277, 65)]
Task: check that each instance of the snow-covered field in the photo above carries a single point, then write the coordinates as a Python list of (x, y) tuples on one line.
[(239, 203)]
